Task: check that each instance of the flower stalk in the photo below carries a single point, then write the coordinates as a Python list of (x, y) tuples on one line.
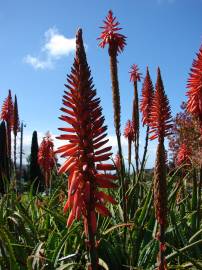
[(160, 124), (116, 43), (135, 76), (85, 152)]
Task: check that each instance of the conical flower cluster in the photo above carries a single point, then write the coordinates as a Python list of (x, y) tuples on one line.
[(85, 149), (160, 115), (7, 110), (110, 34), (7, 116), (147, 96), (129, 131), (183, 155), (46, 157), (194, 104)]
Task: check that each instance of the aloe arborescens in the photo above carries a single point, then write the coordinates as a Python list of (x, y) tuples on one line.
[(135, 77), (46, 159), (145, 108), (84, 151), (116, 42), (7, 116), (160, 123)]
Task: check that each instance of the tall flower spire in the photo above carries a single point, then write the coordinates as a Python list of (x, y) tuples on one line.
[(145, 108), (135, 77), (194, 85), (116, 43), (183, 155), (46, 159), (160, 123), (7, 116), (160, 116), (85, 150), (146, 100)]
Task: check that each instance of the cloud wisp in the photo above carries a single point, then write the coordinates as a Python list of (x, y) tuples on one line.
[(54, 47)]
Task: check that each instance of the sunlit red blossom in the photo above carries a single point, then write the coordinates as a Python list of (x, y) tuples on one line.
[(7, 116), (110, 34), (85, 149), (160, 116), (129, 131), (46, 157), (7, 110), (146, 101), (194, 104), (183, 155), (117, 161), (135, 75)]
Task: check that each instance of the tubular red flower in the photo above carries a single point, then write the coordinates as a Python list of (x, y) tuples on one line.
[(160, 116), (7, 110), (84, 150), (194, 104), (109, 34), (183, 155), (147, 96), (46, 156), (129, 131), (135, 75), (7, 116)]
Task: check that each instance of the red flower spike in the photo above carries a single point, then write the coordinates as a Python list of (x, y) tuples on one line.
[(194, 104), (147, 96), (7, 116), (46, 158), (183, 155), (85, 147), (160, 115), (135, 75), (129, 131), (110, 34), (7, 110)]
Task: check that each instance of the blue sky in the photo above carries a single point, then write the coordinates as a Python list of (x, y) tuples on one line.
[(37, 48)]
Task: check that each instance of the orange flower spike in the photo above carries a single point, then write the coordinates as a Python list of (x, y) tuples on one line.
[(183, 155), (160, 115), (194, 85), (146, 101), (46, 154), (110, 34), (46, 158), (7, 110), (7, 116), (129, 131), (85, 148)]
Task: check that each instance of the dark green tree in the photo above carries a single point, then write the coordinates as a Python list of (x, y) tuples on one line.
[(35, 171), (4, 165)]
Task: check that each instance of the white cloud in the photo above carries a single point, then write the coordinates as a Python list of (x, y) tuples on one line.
[(58, 45), (55, 46), (37, 63)]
